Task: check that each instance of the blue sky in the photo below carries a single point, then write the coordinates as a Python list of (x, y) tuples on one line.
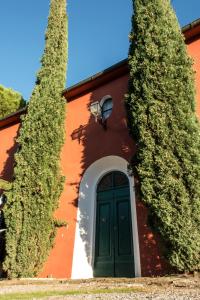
[(98, 37)]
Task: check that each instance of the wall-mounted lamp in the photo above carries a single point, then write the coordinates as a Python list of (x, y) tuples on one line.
[(96, 111)]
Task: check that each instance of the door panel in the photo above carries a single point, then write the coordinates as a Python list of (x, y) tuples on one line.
[(124, 245), (104, 254), (124, 259), (104, 234), (114, 245)]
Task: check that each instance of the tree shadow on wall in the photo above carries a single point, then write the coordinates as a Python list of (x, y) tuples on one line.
[(6, 174), (8, 166), (84, 135), (97, 142)]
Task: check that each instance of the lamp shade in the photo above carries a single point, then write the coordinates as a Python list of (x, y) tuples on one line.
[(95, 109)]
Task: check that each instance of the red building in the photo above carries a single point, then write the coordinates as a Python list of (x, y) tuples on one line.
[(107, 232)]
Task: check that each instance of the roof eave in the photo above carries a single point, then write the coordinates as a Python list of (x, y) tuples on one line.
[(12, 118)]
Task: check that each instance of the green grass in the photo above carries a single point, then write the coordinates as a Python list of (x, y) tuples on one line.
[(43, 294)]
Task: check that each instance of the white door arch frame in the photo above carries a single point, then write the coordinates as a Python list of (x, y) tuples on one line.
[(84, 246)]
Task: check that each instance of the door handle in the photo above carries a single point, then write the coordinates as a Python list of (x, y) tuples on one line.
[(103, 220)]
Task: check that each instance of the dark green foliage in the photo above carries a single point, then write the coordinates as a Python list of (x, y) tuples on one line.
[(38, 182), (162, 121), (10, 101), (60, 223)]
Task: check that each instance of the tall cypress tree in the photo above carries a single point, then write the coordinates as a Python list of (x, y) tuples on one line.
[(162, 121), (37, 178)]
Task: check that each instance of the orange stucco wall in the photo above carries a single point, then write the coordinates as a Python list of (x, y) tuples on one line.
[(86, 142), (193, 50), (7, 149)]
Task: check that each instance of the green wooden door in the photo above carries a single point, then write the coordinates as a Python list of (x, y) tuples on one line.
[(114, 245)]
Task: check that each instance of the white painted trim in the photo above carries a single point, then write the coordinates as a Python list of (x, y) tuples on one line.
[(83, 256), (104, 99)]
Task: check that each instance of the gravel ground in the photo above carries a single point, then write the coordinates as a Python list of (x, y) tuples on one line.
[(130, 296), (163, 288)]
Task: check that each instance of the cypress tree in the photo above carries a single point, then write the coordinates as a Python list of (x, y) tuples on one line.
[(38, 182), (161, 114)]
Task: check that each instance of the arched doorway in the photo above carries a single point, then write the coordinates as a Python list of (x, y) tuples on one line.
[(113, 241), (84, 244)]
